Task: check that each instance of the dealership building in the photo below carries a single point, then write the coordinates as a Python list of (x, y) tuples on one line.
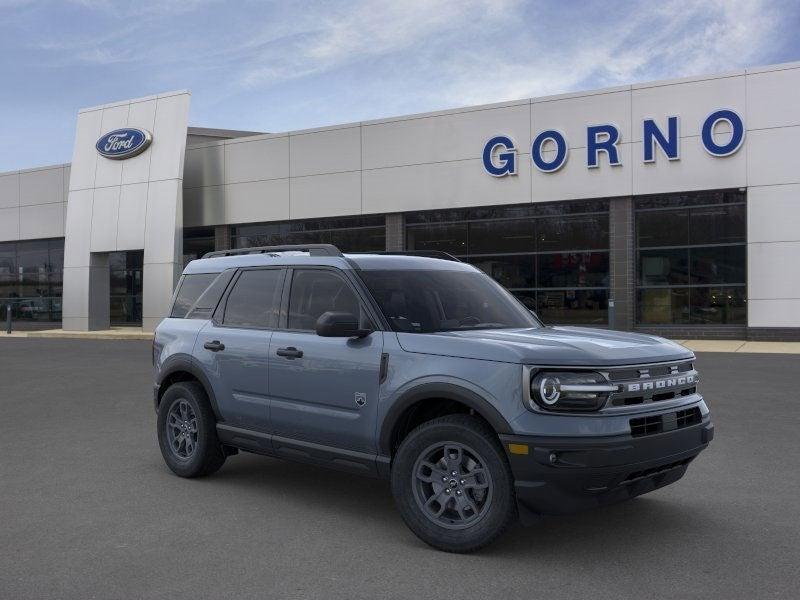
[(670, 207)]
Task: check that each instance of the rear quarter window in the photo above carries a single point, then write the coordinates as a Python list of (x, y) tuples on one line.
[(191, 287)]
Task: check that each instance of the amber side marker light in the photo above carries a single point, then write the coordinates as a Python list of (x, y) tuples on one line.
[(518, 448)]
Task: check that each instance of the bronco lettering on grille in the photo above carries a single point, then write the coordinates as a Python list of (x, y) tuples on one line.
[(660, 384)]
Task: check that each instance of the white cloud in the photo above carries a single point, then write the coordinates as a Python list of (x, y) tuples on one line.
[(672, 40)]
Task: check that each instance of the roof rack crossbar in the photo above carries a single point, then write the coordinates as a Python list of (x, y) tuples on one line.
[(424, 253), (312, 249)]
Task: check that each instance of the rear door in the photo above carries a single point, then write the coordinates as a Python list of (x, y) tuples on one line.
[(233, 347), (324, 390)]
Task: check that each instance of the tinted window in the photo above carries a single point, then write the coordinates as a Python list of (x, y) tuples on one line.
[(529, 249), (573, 269), (573, 233), (492, 237), (573, 306), (316, 291), (254, 299), (509, 271), (431, 301), (664, 267), (702, 238), (663, 228), (721, 264), (447, 238), (718, 225), (190, 290)]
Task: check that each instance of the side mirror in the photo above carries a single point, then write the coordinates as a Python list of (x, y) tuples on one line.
[(339, 324)]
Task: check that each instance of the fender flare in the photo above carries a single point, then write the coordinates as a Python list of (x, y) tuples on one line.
[(448, 391), (185, 363)]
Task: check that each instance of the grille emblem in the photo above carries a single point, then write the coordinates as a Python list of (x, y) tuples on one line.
[(659, 384)]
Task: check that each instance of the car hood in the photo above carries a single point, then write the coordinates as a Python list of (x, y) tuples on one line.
[(547, 346)]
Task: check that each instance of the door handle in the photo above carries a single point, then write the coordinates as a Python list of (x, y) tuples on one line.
[(290, 352), (215, 346)]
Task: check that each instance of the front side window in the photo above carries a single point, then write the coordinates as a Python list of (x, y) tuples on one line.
[(254, 299), (317, 291), (429, 301)]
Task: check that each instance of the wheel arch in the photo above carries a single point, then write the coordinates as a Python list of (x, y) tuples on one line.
[(182, 368), (416, 397)]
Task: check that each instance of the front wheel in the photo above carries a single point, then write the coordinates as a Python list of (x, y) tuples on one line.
[(453, 485), (187, 432)]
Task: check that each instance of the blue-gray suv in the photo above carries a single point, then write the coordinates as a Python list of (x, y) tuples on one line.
[(421, 369)]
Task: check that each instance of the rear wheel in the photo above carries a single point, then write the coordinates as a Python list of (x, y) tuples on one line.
[(452, 484), (187, 433)]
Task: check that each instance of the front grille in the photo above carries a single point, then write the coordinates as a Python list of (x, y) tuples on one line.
[(628, 373), (653, 424), (652, 383)]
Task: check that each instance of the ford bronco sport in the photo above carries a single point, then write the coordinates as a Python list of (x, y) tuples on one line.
[(422, 370)]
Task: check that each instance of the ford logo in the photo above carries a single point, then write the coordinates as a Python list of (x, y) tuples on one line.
[(123, 143)]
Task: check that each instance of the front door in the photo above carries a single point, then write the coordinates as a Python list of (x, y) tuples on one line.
[(233, 348), (324, 390)]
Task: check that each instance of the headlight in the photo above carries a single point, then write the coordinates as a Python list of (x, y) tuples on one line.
[(569, 390)]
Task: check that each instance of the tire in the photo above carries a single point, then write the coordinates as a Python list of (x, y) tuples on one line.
[(199, 453), (475, 506)]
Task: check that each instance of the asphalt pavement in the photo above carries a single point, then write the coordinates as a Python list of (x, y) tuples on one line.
[(88, 509)]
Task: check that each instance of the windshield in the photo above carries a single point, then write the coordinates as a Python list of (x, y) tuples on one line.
[(420, 301)]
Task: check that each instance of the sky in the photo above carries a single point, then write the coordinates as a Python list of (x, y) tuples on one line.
[(283, 65)]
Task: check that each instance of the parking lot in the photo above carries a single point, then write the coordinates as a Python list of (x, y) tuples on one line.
[(88, 509)]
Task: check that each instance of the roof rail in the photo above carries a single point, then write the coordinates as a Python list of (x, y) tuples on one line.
[(425, 253), (312, 249)]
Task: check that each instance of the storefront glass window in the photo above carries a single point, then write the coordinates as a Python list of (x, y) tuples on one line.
[(126, 287), (349, 234), (31, 280), (553, 257), (691, 259)]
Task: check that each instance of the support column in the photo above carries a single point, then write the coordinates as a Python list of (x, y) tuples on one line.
[(395, 232), (222, 237), (621, 265)]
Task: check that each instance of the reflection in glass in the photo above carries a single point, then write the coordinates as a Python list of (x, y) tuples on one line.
[(664, 267), (573, 269), (30, 280), (573, 233), (663, 305), (718, 264), (450, 238), (125, 271), (498, 237), (662, 228), (718, 306), (508, 271), (586, 307), (349, 234), (709, 230), (530, 249)]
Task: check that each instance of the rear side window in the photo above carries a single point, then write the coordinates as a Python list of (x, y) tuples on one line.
[(254, 299), (318, 291), (191, 288)]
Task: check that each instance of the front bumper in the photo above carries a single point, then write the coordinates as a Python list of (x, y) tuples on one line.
[(561, 475)]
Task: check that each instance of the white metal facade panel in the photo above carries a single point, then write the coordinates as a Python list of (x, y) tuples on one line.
[(133, 204)]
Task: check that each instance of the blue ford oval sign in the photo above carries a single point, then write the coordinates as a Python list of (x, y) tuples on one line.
[(123, 143)]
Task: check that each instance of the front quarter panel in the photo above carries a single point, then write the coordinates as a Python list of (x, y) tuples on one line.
[(495, 386)]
